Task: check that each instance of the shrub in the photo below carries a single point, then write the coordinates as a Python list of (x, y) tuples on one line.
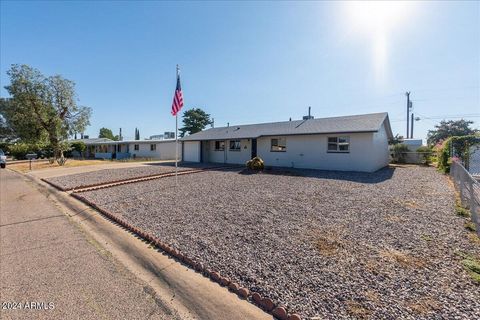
[(19, 150), (78, 146), (461, 211), (255, 164), (458, 146), (426, 154), (398, 153)]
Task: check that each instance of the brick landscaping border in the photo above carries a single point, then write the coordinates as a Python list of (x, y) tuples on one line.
[(278, 311), (102, 185)]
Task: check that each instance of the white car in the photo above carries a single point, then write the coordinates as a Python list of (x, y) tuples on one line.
[(3, 159)]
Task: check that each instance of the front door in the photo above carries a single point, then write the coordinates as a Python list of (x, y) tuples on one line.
[(254, 148)]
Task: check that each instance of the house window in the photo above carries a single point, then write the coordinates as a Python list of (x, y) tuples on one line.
[(219, 145), (235, 145), (338, 144), (278, 144), (153, 147), (135, 147)]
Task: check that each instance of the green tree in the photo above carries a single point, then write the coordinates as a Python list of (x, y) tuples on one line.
[(43, 107), (396, 140), (447, 129), (107, 133), (15, 125), (194, 120)]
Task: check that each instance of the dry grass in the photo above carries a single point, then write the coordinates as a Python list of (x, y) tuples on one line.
[(328, 243), (356, 310), (411, 204), (394, 218), (25, 167), (372, 296), (424, 305), (474, 238), (402, 259)]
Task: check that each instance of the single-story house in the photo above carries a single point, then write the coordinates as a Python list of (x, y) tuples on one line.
[(348, 143), (103, 148)]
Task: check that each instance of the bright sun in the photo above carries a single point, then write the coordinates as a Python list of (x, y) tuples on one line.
[(375, 16), (376, 20)]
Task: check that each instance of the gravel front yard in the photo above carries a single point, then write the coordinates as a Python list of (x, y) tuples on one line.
[(80, 180), (327, 244)]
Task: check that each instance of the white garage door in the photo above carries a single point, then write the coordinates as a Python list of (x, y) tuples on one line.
[(191, 151)]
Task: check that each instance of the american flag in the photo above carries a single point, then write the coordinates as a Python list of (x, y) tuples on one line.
[(177, 98)]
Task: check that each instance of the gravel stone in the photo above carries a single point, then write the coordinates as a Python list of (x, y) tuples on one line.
[(80, 180), (333, 245)]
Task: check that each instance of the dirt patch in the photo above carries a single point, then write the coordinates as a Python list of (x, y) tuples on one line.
[(357, 310), (424, 305), (25, 167), (402, 259)]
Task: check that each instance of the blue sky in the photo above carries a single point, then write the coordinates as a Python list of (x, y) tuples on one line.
[(252, 62)]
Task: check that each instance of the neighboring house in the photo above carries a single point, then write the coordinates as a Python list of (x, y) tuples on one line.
[(103, 148), (349, 143)]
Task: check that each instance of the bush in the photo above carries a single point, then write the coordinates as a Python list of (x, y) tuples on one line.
[(255, 164), (458, 146), (426, 154), (19, 150), (398, 153), (78, 146)]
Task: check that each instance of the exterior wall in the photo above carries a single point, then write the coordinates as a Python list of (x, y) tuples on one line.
[(212, 155), (310, 151), (191, 151), (381, 156), (227, 155), (239, 157), (103, 155), (164, 150)]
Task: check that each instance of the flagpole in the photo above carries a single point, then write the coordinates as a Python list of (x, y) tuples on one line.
[(176, 140)]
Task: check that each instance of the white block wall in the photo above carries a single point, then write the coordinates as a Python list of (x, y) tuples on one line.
[(164, 150), (310, 151), (228, 156)]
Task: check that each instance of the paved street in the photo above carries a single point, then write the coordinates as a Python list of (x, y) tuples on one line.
[(50, 269)]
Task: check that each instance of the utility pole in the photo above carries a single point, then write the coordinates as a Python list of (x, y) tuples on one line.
[(408, 111), (411, 128)]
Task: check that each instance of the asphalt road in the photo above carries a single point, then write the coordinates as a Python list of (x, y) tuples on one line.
[(51, 269)]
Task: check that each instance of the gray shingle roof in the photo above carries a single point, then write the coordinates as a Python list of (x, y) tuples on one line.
[(346, 124), (92, 140)]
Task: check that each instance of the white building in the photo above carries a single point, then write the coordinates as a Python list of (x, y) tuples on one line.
[(103, 148), (349, 143)]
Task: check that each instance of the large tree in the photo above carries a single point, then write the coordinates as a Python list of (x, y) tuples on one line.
[(6, 131), (448, 129), (43, 107), (194, 120), (107, 133)]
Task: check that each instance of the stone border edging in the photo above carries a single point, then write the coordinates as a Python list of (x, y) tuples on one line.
[(102, 185), (266, 304)]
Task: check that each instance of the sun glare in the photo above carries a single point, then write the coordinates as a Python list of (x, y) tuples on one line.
[(376, 20), (374, 16)]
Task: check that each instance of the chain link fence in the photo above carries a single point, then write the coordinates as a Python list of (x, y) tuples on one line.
[(469, 190)]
